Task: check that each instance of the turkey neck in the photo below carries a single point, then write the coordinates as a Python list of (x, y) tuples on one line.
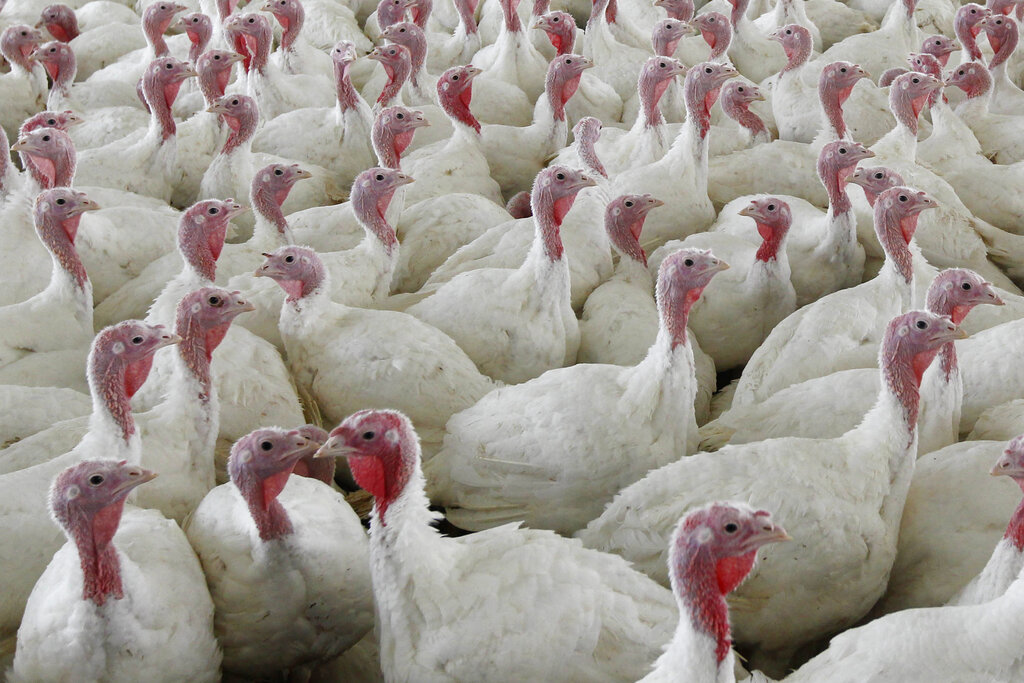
[(586, 151), (291, 23), (93, 536), (796, 58), (738, 16), (398, 74), (112, 382), (702, 644), (899, 21), (549, 114), (271, 228), (213, 83), (369, 208), (895, 235), (154, 32), (200, 248), (841, 237), (976, 106), (68, 279), (1004, 48), (240, 135), (940, 303), (160, 98), (48, 172), (200, 39), (832, 99), (651, 90), (467, 22), (511, 16), (690, 148), (901, 141), (7, 171), (748, 120), (968, 37), (256, 61), (60, 91), (348, 98), (260, 496)]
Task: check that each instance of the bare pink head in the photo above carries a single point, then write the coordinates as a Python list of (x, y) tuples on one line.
[(971, 77), (624, 220), (297, 270), (560, 29), (1003, 35), (586, 133), (201, 233), (666, 36), (383, 452), (910, 344), (909, 94), (519, 205), (56, 216), (241, 115), (269, 190), (214, 71), (655, 76), (86, 501), (875, 180), (393, 130), (321, 469), (259, 466), (834, 87), (60, 21), (412, 36), (711, 552), (680, 10), (925, 63), (1011, 464), (161, 82), (251, 36), (563, 78), (59, 61), (119, 362), (18, 42), (890, 75), (554, 191), (199, 28), (940, 47), (455, 92), (716, 30), (391, 12), (49, 156), (773, 218), (737, 96), (156, 19), (700, 89), (202, 319), (895, 220), (682, 277), (797, 42), (61, 120), (372, 192), (955, 291), (291, 15), (967, 26), (836, 162), (343, 55), (397, 63)]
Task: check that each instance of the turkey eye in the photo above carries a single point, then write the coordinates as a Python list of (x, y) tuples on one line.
[(966, 285), (215, 301), (46, 138), (842, 150), (289, 259), (455, 77), (216, 56), (234, 102), (662, 65), (688, 262), (399, 116), (771, 207), (96, 479), (560, 176), (878, 176), (915, 80), (60, 202), (789, 32), (731, 528), (379, 177), (266, 445), (401, 30), (568, 61), (252, 21), (169, 65), (903, 197), (843, 70), (707, 69), (368, 435), (739, 89), (555, 20), (214, 211), (629, 204), (921, 324), (136, 340), (51, 122), (278, 171)]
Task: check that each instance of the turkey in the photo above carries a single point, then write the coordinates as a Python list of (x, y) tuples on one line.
[(95, 47), (524, 325), (879, 454), (590, 616), (493, 470), (1003, 35), (286, 560), (998, 134), (710, 553), (125, 598), (24, 85), (118, 364), (343, 356)]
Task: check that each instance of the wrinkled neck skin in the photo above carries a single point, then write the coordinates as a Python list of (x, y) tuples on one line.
[(68, 274), (650, 92), (548, 214), (199, 42), (255, 49), (738, 16), (397, 76), (194, 356), (512, 24), (47, 173), (111, 384), (260, 497), (347, 96), (1006, 48), (968, 38), (939, 303), (690, 148), (154, 32), (748, 120), (98, 558), (213, 83), (588, 156), (271, 226), (796, 58), (369, 209), (899, 259), (160, 100), (240, 138), (291, 26), (901, 141), (976, 106), (832, 100), (1015, 529)]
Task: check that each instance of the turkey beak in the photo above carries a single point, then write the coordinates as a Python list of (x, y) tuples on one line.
[(73, 119), (236, 210), (758, 97), (718, 267), (951, 333), (404, 179), (217, 108), (302, 174), (654, 203), (297, 451), (241, 305), (168, 340), (750, 211), (86, 205), (991, 296), (235, 58), (21, 144), (137, 476), (774, 533), (419, 120), (694, 30), (333, 448), (1006, 466), (585, 181), (587, 62), (472, 71)]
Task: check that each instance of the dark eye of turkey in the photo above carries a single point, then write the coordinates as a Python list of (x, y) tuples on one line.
[(966, 285), (60, 202), (289, 259), (215, 301), (688, 262), (731, 528), (921, 324), (96, 479), (266, 445), (368, 435), (136, 340)]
